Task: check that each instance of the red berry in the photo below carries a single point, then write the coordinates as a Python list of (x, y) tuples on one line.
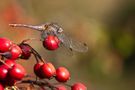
[(37, 69), (3, 72), (48, 70), (10, 62), (5, 44), (78, 86), (26, 51), (60, 87), (17, 72), (15, 52), (62, 74), (1, 87), (51, 42)]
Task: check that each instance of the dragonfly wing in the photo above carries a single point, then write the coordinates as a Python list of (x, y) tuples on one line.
[(65, 41), (65, 51), (78, 46), (72, 44)]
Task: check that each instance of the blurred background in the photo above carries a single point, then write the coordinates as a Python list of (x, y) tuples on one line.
[(107, 26)]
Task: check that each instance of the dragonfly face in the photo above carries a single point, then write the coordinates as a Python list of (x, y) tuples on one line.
[(56, 30)]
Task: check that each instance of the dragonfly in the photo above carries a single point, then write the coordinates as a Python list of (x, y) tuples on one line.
[(56, 30)]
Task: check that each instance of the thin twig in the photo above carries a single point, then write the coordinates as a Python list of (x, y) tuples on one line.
[(38, 83)]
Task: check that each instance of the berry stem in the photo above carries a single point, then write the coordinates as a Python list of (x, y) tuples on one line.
[(67, 84), (4, 63), (63, 84), (29, 39), (39, 83), (26, 40), (37, 60), (37, 54)]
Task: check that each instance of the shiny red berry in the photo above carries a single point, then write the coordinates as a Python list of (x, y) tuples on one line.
[(78, 86), (51, 42), (17, 72), (15, 52), (5, 44), (3, 72), (62, 74), (48, 70), (10, 62), (37, 69), (26, 51)]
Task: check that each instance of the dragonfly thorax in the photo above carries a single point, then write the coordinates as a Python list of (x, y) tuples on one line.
[(53, 27)]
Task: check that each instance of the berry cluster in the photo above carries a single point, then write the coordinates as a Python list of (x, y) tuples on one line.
[(10, 71), (12, 74)]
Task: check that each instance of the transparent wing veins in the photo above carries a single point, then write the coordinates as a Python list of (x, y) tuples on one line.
[(72, 44)]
